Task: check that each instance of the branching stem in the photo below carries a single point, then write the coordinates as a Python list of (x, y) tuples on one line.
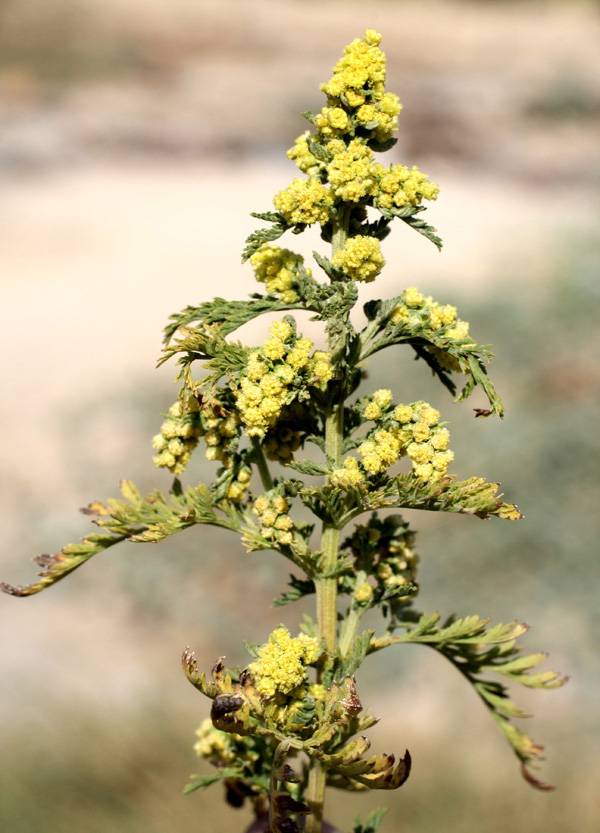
[(326, 588)]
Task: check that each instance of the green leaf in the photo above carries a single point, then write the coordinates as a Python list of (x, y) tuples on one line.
[(228, 314), (299, 589), (308, 467), (479, 377), (372, 823), (430, 345), (327, 266), (474, 496), (347, 665), (255, 240), (140, 519), (319, 151), (199, 782), (477, 650), (379, 228), (408, 215), (379, 772), (382, 147)]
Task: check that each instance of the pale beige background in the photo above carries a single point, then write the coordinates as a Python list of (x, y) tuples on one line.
[(135, 138)]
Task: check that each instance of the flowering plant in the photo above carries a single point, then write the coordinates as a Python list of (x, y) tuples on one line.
[(291, 723)]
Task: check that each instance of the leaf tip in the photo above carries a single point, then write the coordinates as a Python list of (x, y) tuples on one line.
[(535, 782)]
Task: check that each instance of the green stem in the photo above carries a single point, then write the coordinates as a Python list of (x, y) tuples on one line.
[(340, 229), (327, 586), (261, 463)]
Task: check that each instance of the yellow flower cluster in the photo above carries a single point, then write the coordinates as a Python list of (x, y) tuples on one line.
[(361, 66), (301, 154), (179, 435), (239, 485), (417, 308), (332, 121), (272, 514), (436, 315), (304, 202), (274, 375), (281, 664), (380, 451), (358, 113), (278, 269), (411, 430), (363, 592), (213, 744), (381, 115), (360, 259), (348, 476), (351, 172), (398, 186), (220, 430), (425, 441), (358, 83), (379, 402)]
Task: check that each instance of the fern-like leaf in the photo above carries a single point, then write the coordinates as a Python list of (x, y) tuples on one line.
[(476, 650), (147, 519)]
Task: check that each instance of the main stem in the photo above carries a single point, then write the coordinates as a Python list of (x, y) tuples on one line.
[(326, 587)]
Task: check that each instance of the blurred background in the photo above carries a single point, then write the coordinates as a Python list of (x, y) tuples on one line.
[(135, 138)]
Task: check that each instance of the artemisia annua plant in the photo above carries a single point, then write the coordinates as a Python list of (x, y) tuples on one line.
[(292, 427)]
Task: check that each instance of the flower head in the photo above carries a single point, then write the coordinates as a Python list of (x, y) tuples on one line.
[(281, 664), (360, 259)]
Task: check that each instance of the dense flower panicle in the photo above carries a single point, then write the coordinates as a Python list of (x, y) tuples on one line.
[(304, 202), (360, 259), (359, 117), (361, 66), (381, 116), (278, 269), (281, 664), (358, 85), (276, 375), (332, 121)]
